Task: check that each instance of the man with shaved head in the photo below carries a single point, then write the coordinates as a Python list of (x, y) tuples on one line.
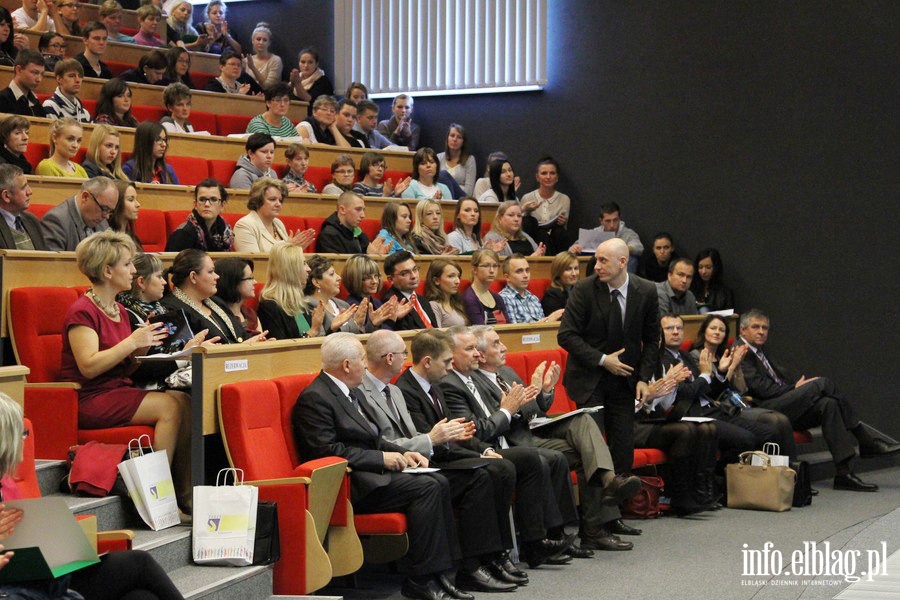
[(610, 329)]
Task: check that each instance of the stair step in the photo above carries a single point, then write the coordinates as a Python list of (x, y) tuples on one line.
[(171, 547), (49, 474), (225, 583)]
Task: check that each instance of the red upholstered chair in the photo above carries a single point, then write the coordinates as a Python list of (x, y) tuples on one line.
[(36, 152), (174, 219), (117, 68), (200, 82), (204, 121), (463, 286), (90, 105), (318, 176), (498, 284), (314, 223), (151, 229), (39, 210), (228, 124), (538, 287), (222, 170), (36, 318), (370, 227), (79, 156), (191, 170), (293, 223), (143, 112), (232, 218), (251, 418)]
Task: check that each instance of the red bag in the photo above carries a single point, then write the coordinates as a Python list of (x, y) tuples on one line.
[(644, 504), (93, 469)]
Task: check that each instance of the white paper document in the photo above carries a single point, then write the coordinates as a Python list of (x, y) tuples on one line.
[(541, 421)]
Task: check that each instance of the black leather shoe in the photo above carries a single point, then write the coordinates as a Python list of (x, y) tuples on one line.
[(685, 510), (813, 492), (481, 580), (878, 447), (562, 559), (853, 483), (510, 567), (537, 553), (452, 590), (424, 591), (606, 541), (576, 551), (496, 569), (621, 488), (620, 527)]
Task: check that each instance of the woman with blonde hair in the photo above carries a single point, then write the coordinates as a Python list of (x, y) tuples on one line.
[(484, 306), (262, 65), (283, 309), (261, 228), (428, 231), (104, 156), (563, 276), (442, 290), (507, 226), (65, 140), (362, 279)]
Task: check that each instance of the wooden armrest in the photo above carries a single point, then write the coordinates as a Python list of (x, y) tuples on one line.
[(115, 534), (282, 481), (54, 385)]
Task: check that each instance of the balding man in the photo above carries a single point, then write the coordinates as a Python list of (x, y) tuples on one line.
[(610, 329), (19, 229), (81, 215)]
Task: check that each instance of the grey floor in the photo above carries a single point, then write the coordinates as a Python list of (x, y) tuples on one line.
[(701, 557)]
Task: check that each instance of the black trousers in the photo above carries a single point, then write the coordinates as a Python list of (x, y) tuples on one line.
[(481, 512), (617, 419), (536, 506), (129, 575)]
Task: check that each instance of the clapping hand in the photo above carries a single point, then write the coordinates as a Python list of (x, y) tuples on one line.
[(361, 313), (9, 518), (302, 239), (541, 250), (342, 317), (383, 313), (401, 186), (378, 246), (149, 335)]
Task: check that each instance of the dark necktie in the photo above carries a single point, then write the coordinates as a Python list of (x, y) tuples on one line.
[(769, 368), (20, 226), (502, 384), (392, 406), (355, 403), (435, 401), (616, 338)]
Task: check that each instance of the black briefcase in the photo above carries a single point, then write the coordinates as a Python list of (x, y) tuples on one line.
[(267, 547), (802, 486)]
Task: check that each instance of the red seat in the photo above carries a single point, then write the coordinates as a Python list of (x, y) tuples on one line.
[(803, 437), (36, 318), (222, 170), (293, 223), (39, 210), (232, 218), (36, 152), (190, 169), (370, 227), (90, 105), (314, 223), (318, 176), (143, 112), (117, 68), (396, 176), (538, 287), (151, 229), (228, 124), (200, 82), (204, 121), (174, 219)]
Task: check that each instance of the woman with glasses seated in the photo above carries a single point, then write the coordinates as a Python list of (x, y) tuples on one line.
[(362, 279), (204, 229), (67, 21), (320, 126), (322, 289), (342, 172), (52, 46), (148, 163), (235, 287), (274, 122), (483, 306), (261, 228)]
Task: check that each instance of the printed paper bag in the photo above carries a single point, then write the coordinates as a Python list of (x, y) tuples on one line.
[(149, 481), (224, 529), (776, 459)]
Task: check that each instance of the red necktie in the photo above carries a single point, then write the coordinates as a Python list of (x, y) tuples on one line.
[(418, 308)]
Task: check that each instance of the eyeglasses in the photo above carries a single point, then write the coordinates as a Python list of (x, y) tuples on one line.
[(402, 353), (104, 210), (57, 46), (161, 140), (344, 172), (673, 328), (25, 433), (210, 201), (489, 267)]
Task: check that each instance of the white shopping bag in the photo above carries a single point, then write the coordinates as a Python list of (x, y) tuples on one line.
[(775, 456), (149, 481), (224, 530)]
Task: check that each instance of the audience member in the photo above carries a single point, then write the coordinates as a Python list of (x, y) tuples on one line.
[(114, 104), (218, 34), (611, 321), (263, 66), (503, 183), (274, 121), (341, 233), (64, 102), (85, 213), (319, 127), (97, 351), (482, 509), (399, 128), (709, 290), (178, 69), (95, 39), (322, 288), (424, 184), (179, 29), (297, 156), (308, 81), (14, 142), (323, 426), (283, 310), (442, 292), (52, 47), (10, 41), (204, 229), (371, 178), (675, 296), (366, 124), (356, 92), (194, 284), (466, 234), (344, 121), (19, 229), (111, 16), (149, 17), (126, 213), (104, 155), (610, 220), (456, 160), (256, 163), (67, 21), (521, 305), (362, 279), (177, 100), (655, 266), (232, 79), (148, 161), (507, 227), (65, 141), (428, 232), (564, 274), (342, 172), (151, 69), (483, 184), (412, 311), (19, 98), (809, 402), (483, 305), (396, 227), (35, 15), (548, 207), (260, 228), (235, 287)]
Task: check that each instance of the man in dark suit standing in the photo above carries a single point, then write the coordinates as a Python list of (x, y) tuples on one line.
[(19, 98), (481, 494), (19, 229), (808, 402), (611, 331), (577, 437), (330, 419), (403, 273)]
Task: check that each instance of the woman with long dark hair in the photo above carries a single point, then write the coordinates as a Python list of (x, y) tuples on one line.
[(711, 293), (148, 163)]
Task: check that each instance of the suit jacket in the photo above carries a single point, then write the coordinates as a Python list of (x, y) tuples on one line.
[(520, 432), (399, 430), (326, 424), (760, 384), (32, 228), (687, 399), (63, 226), (251, 235), (27, 105), (462, 403), (412, 320), (583, 334)]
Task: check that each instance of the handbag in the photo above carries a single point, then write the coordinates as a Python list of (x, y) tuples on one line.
[(645, 503), (764, 487), (92, 468), (267, 546), (803, 487), (149, 481), (224, 527)]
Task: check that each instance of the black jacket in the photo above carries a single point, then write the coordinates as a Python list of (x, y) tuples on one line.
[(337, 239)]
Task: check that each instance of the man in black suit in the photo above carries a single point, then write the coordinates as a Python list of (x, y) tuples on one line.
[(19, 229), (330, 419), (808, 402), (554, 506), (403, 273), (19, 98), (481, 493), (577, 437), (611, 331)]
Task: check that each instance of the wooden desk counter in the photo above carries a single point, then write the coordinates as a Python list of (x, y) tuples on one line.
[(91, 12), (12, 382)]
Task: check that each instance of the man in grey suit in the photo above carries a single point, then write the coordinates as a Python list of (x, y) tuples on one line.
[(19, 229), (81, 215), (578, 438), (481, 495)]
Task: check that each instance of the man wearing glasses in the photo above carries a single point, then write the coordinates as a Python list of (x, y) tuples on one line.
[(403, 273), (81, 215)]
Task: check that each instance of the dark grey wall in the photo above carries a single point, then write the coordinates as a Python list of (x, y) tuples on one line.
[(766, 129)]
